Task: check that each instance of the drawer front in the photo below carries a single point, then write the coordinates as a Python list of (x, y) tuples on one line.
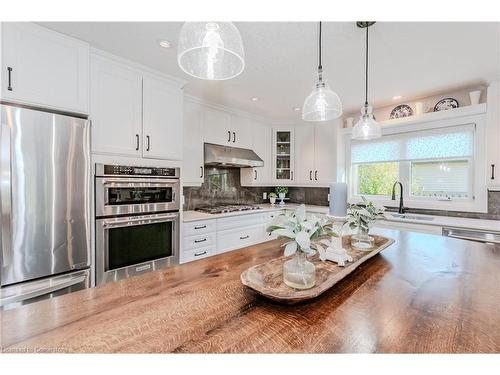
[(199, 241), (237, 238), (198, 227), (195, 254), (241, 221)]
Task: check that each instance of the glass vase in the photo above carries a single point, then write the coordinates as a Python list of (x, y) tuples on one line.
[(362, 240), (298, 272)]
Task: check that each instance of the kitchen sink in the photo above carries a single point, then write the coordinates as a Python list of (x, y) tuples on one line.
[(411, 217)]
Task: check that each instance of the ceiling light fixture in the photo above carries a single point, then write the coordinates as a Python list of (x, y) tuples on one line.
[(255, 99), (211, 50), (322, 104), (165, 43), (367, 127)]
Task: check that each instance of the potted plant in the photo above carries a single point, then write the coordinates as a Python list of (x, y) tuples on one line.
[(281, 191), (360, 218), (272, 198), (304, 239)]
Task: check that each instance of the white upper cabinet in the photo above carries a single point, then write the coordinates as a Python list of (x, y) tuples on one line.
[(162, 120), (304, 155), (43, 68), (261, 145), (283, 153), (325, 153), (116, 108), (315, 156), (493, 135), (133, 112), (217, 127), (192, 164), (226, 129), (242, 132)]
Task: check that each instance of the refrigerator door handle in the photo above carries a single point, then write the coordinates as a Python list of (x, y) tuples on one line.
[(63, 284), (5, 192)]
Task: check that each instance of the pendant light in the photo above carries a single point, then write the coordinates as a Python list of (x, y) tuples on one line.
[(367, 127), (211, 50), (322, 104)]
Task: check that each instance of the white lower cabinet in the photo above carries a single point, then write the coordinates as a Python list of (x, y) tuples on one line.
[(205, 238), (232, 239)]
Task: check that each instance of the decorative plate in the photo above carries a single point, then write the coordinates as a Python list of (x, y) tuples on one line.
[(401, 110), (446, 103)]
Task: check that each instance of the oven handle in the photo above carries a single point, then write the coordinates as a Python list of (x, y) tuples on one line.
[(148, 183), (113, 223)]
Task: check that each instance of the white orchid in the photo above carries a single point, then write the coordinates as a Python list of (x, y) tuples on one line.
[(302, 231)]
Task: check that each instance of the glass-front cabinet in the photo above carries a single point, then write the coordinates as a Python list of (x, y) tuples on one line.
[(283, 155)]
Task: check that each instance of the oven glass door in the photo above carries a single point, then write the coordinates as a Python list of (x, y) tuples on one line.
[(139, 195), (115, 196), (132, 245)]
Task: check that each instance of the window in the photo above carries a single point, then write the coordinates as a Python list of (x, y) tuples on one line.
[(435, 165)]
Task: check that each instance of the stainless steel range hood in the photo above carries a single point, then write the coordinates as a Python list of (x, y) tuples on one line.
[(217, 155)]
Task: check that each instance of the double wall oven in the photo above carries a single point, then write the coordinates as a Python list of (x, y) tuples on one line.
[(137, 220)]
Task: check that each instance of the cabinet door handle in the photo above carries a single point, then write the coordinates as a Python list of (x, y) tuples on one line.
[(492, 171), (244, 237), (198, 241), (234, 137), (201, 171), (228, 136), (9, 70), (316, 175), (200, 254), (137, 142), (255, 174), (311, 175), (291, 175), (147, 143), (200, 227)]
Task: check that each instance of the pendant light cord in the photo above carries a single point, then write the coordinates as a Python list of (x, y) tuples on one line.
[(366, 70), (320, 66)]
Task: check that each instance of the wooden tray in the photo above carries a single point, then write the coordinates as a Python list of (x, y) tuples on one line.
[(267, 278)]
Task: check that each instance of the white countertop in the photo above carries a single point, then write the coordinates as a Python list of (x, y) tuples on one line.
[(441, 221), (189, 216), (448, 221)]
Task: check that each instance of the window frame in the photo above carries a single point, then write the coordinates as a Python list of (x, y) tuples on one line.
[(478, 179)]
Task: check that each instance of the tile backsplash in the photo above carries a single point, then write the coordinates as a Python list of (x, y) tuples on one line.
[(222, 186)]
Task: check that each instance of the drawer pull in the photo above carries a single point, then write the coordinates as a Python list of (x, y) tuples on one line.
[(244, 237), (200, 227), (200, 254), (198, 241)]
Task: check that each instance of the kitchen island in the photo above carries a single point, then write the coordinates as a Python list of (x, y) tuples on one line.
[(424, 294)]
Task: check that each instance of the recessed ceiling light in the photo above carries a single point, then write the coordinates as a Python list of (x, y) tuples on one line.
[(396, 97), (297, 109), (254, 99), (164, 43)]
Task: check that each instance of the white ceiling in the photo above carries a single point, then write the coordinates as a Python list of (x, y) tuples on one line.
[(409, 59)]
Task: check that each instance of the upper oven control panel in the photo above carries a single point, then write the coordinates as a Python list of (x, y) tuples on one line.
[(124, 170)]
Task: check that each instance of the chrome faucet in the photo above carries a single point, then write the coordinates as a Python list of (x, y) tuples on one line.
[(401, 206)]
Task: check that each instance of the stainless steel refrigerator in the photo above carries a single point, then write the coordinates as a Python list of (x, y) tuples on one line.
[(44, 205)]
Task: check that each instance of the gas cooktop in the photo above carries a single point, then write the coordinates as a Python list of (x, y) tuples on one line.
[(227, 208)]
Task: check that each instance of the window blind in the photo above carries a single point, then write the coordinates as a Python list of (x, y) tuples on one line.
[(443, 143)]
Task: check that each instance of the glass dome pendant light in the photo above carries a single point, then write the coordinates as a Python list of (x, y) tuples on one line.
[(210, 50), (322, 104), (367, 127)]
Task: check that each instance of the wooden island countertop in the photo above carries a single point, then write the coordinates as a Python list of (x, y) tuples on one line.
[(424, 294)]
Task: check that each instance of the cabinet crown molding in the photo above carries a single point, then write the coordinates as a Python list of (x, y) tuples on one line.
[(174, 81)]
